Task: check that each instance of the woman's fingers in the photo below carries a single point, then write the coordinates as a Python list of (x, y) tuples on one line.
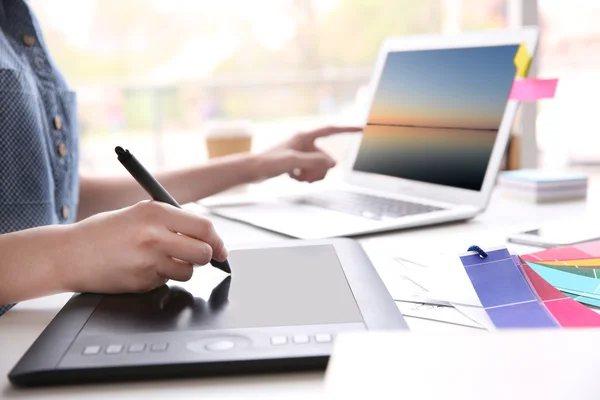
[(176, 270)]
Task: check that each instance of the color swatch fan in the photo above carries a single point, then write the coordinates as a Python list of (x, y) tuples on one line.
[(515, 295), (574, 270)]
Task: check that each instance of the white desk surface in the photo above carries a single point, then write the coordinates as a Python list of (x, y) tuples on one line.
[(21, 326)]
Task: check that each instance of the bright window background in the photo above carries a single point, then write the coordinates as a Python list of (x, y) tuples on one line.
[(150, 74), (568, 125)]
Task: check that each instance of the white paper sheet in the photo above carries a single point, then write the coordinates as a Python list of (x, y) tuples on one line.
[(444, 277), (445, 280), (476, 313), (436, 312), (406, 288)]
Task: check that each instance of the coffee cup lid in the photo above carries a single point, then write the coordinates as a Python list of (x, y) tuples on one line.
[(228, 128)]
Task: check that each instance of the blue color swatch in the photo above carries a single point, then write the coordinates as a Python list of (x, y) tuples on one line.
[(505, 293), (531, 314)]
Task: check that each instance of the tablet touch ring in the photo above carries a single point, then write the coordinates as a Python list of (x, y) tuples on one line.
[(220, 345)]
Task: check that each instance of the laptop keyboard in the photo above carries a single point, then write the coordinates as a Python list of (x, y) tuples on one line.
[(363, 205)]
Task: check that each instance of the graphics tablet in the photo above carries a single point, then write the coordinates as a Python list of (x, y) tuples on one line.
[(280, 310)]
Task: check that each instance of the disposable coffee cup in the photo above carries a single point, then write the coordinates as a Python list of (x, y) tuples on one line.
[(228, 137)]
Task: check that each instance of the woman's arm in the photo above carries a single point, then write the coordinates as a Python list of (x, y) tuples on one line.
[(297, 156), (135, 249), (30, 263), (111, 193)]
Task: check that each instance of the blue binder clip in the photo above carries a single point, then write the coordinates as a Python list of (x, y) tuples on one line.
[(479, 251)]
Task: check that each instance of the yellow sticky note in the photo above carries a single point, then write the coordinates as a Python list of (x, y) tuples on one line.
[(522, 61)]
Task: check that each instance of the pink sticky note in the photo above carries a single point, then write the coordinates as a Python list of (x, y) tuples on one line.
[(533, 89)]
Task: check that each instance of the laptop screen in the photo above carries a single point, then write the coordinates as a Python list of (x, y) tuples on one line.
[(436, 114)]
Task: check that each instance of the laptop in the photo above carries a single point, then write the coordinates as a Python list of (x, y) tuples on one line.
[(436, 128)]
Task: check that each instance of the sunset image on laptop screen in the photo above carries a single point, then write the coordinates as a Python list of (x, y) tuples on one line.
[(436, 114)]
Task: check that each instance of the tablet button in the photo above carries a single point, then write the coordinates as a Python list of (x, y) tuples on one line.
[(220, 345), (114, 349), (136, 348), (323, 338), (278, 340), (301, 339), (159, 347), (91, 350)]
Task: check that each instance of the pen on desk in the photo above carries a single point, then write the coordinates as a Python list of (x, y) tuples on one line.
[(155, 190)]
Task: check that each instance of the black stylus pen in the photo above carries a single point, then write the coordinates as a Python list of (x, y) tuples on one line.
[(155, 190)]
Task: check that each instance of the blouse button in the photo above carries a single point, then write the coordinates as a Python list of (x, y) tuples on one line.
[(62, 150), (58, 123), (64, 211), (29, 40)]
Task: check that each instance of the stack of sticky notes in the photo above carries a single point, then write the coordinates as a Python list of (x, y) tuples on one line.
[(542, 186)]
